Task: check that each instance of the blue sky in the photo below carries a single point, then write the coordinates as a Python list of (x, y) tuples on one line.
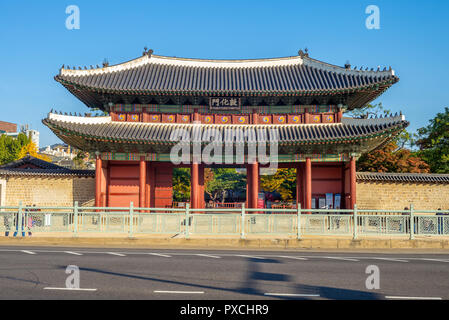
[(35, 43)]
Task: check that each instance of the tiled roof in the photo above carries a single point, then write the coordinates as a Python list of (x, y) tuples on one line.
[(46, 172), (403, 177), (30, 160), (349, 129), (44, 168), (296, 76)]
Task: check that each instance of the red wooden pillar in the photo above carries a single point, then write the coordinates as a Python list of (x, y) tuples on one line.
[(98, 174), (194, 186), (255, 116), (353, 182), (254, 192), (201, 203), (196, 115), (142, 182), (308, 183)]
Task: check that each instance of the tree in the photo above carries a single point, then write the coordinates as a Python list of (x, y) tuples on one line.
[(392, 159), (31, 149), (369, 110), (181, 184), (218, 182), (80, 159), (433, 143), (283, 181), (10, 147)]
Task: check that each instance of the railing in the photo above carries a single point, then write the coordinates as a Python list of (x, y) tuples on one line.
[(240, 222)]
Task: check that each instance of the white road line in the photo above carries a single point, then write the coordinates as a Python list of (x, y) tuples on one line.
[(208, 256), (160, 255), (291, 295), (413, 298), (74, 253), (343, 259), (28, 252), (296, 258), (437, 260), (391, 259), (180, 292), (251, 257), (116, 254), (69, 289)]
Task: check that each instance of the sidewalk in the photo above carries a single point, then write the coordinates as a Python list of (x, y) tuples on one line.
[(179, 242)]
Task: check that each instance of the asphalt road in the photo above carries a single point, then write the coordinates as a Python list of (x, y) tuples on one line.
[(40, 273)]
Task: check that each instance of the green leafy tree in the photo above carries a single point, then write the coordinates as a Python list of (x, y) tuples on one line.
[(224, 181), (433, 143), (10, 147), (181, 184)]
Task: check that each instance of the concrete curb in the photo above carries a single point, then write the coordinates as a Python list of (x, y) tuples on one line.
[(279, 244)]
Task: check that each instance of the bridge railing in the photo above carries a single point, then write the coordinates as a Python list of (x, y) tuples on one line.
[(238, 221)]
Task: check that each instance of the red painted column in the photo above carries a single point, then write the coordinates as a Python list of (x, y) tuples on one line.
[(142, 181), (353, 182), (254, 184), (98, 174), (308, 183), (194, 187), (196, 115)]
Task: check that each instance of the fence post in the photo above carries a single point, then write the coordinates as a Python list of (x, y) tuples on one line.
[(356, 234), (19, 221), (412, 223), (187, 221), (75, 217), (242, 227), (299, 221), (131, 219)]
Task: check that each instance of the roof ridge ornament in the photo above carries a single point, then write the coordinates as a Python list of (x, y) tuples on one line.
[(147, 52), (303, 54)]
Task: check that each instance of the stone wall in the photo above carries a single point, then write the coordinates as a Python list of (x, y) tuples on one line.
[(50, 190), (398, 195)]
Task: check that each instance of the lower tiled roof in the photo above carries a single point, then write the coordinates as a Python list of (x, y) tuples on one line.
[(403, 177)]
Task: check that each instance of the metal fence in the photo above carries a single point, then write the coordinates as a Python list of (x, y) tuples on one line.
[(241, 222)]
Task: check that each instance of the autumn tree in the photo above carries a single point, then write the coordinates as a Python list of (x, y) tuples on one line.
[(392, 159), (31, 149), (283, 181)]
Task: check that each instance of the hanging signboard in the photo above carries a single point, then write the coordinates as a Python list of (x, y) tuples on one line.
[(224, 103)]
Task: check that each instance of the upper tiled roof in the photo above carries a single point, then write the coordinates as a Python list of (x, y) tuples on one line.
[(403, 177), (294, 76)]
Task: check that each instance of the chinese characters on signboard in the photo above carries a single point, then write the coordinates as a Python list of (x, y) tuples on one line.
[(223, 103)]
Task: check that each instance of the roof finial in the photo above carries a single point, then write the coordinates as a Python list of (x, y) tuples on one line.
[(347, 65), (147, 52), (105, 63)]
